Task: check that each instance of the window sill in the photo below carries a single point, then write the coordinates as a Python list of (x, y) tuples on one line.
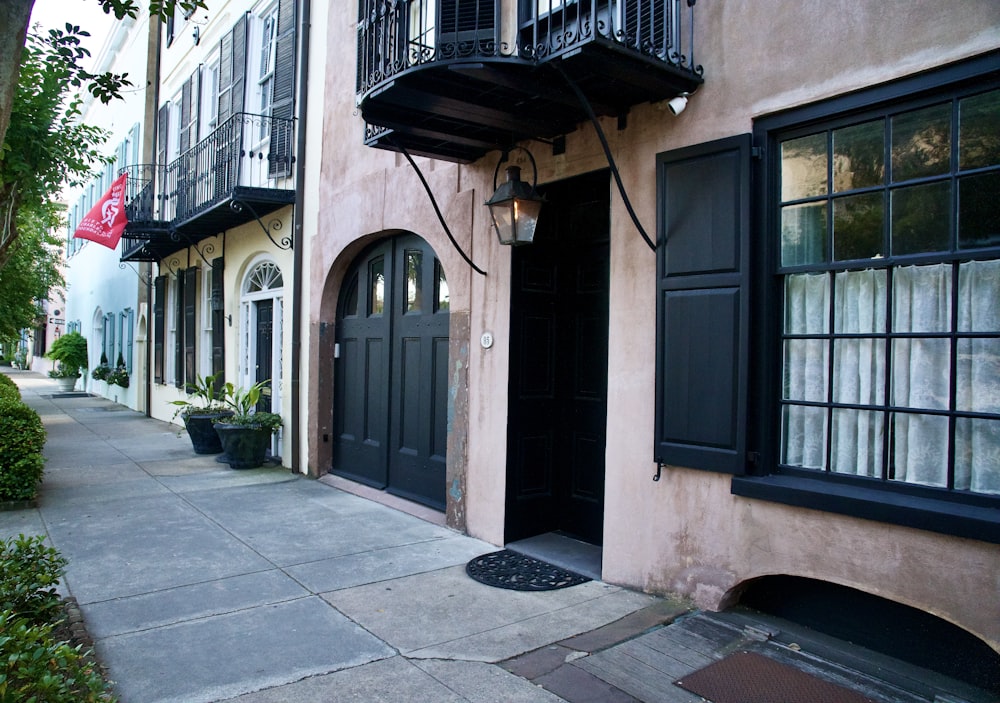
[(946, 517)]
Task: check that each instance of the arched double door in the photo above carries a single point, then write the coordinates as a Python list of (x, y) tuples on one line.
[(390, 414)]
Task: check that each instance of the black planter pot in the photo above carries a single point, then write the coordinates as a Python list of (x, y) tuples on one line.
[(245, 447), (200, 428)]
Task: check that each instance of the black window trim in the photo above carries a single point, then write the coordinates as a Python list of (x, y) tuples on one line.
[(957, 513)]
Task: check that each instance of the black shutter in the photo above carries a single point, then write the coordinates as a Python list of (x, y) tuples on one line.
[(179, 331), (283, 94), (232, 70), (239, 64), (703, 305), (159, 326), (162, 133), (190, 323), (218, 320)]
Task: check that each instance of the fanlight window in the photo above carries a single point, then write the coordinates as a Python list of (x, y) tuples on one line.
[(264, 277)]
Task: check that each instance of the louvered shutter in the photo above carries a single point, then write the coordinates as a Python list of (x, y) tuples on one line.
[(159, 325), (190, 322), (283, 94), (232, 70), (218, 321), (162, 133), (467, 20), (179, 331)]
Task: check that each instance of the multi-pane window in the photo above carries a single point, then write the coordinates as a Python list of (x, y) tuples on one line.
[(890, 266)]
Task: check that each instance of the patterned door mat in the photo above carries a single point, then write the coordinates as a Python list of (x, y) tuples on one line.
[(747, 677), (517, 572)]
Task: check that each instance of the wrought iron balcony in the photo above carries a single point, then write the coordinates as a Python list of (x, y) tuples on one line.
[(454, 79), (240, 172)]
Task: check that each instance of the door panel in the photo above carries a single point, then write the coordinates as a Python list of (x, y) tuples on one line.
[(402, 394), (559, 357), (265, 337)]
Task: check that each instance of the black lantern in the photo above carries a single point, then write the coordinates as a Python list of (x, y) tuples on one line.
[(515, 205)]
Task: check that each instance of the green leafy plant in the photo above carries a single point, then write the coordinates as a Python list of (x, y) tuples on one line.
[(9, 389), (36, 667), (103, 370), (22, 437), (243, 402), (118, 377), (205, 397), (70, 351), (29, 574)]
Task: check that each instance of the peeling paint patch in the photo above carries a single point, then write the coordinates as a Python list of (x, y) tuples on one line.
[(456, 490)]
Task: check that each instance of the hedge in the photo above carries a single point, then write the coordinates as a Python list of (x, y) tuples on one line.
[(8, 389), (22, 437)]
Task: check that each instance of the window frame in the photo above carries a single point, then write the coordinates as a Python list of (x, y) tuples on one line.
[(948, 511)]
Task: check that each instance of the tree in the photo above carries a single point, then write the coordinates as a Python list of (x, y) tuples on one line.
[(32, 270), (14, 18), (45, 147)]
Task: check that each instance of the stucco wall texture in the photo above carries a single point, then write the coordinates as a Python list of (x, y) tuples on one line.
[(685, 534)]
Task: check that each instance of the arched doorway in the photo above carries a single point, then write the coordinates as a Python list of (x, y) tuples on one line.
[(391, 371), (262, 295)]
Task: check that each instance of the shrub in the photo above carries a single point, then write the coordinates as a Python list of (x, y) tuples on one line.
[(8, 389), (70, 351), (29, 575), (21, 440), (35, 667)]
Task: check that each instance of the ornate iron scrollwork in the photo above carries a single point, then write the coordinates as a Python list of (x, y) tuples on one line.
[(275, 225)]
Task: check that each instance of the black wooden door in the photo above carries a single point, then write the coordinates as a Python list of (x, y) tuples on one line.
[(559, 366), (265, 338), (391, 377)]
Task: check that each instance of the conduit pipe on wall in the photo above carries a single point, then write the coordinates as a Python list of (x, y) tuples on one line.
[(297, 227)]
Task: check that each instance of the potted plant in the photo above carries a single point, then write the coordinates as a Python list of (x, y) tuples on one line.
[(102, 371), (246, 434), (119, 375), (70, 353), (206, 403)]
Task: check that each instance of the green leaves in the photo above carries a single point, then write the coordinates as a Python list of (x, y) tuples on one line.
[(22, 437)]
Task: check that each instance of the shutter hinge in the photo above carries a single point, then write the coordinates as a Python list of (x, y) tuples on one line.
[(757, 152), (753, 458)]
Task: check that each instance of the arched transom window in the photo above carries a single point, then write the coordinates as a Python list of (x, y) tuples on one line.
[(265, 276)]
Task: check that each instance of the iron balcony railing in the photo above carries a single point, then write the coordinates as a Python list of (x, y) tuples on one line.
[(142, 199), (246, 151), (394, 36)]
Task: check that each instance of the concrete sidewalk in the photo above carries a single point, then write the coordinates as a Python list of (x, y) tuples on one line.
[(200, 583)]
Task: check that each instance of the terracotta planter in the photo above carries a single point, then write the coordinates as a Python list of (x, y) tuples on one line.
[(245, 447), (200, 429)]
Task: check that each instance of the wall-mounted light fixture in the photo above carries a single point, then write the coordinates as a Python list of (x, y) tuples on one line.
[(677, 105), (515, 205)]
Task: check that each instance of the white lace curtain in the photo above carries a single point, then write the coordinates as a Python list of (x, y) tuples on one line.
[(919, 377)]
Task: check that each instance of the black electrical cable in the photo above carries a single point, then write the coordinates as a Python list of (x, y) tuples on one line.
[(607, 152), (437, 210)]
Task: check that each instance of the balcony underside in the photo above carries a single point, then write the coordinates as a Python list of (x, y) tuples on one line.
[(459, 111), (154, 241)]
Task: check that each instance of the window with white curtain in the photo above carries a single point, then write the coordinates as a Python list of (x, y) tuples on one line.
[(889, 262)]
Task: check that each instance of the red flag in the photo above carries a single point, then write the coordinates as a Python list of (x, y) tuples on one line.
[(106, 221)]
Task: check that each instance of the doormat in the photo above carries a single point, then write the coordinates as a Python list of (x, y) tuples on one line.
[(746, 677), (517, 572)]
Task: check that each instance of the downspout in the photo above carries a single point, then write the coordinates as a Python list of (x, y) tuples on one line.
[(297, 228), (152, 76)]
